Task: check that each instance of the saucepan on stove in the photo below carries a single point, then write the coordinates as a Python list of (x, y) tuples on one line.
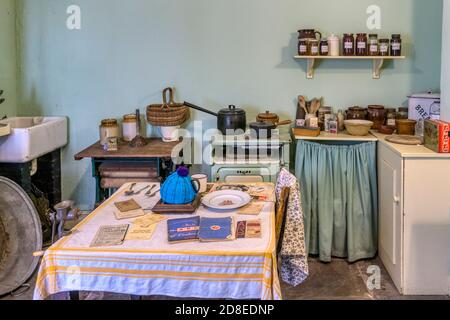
[(230, 120), (266, 122)]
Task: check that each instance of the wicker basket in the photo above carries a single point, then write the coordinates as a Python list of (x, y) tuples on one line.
[(168, 114)]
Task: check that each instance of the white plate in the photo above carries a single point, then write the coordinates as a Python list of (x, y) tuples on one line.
[(226, 199)]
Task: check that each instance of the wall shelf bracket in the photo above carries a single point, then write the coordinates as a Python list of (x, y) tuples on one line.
[(377, 66)]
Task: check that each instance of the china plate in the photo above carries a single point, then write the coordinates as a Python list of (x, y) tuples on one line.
[(226, 200)]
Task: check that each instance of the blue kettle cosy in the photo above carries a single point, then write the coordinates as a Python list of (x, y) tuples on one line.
[(178, 188)]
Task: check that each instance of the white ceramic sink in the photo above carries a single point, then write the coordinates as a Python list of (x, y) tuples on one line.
[(32, 137)]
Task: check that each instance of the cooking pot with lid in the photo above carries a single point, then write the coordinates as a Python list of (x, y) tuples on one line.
[(230, 121)]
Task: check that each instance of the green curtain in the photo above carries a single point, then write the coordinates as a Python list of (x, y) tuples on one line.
[(339, 199)]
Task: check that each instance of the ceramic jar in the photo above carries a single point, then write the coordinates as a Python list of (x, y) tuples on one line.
[(333, 45), (129, 127), (356, 113), (376, 114), (109, 128), (406, 127)]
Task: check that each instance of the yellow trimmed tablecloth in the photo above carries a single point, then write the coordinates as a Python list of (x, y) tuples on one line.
[(239, 269)]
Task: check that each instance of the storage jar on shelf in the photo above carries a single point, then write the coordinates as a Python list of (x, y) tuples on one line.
[(396, 45), (348, 44), (361, 44), (333, 45), (373, 45), (324, 47), (384, 47)]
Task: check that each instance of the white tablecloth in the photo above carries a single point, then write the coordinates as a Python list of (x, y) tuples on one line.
[(240, 269)]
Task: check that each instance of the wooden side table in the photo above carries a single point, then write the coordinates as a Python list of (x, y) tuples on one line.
[(156, 153)]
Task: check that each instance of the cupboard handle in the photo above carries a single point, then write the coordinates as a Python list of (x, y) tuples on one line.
[(397, 199)]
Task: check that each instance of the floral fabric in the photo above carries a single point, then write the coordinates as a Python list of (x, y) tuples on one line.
[(294, 259)]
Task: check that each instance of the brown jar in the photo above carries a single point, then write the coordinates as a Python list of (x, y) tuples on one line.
[(384, 47), (376, 114), (348, 43), (356, 113), (396, 45), (373, 45), (303, 47), (361, 44), (324, 49)]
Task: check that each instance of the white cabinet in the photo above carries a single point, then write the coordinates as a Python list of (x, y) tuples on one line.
[(414, 203), (390, 173)]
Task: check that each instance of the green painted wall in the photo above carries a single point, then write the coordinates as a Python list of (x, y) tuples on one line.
[(215, 52), (8, 64)]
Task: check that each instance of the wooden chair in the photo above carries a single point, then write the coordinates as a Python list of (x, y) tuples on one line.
[(280, 217)]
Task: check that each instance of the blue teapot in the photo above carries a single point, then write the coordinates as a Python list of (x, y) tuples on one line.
[(179, 188)]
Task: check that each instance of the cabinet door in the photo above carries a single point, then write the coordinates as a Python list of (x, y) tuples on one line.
[(390, 184), (426, 227)]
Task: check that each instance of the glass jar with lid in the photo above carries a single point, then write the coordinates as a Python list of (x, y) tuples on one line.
[(384, 47), (402, 113), (303, 47), (324, 48), (373, 45), (396, 45), (361, 44), (109, 128), (348, 43), (391, 116), (313, 47)]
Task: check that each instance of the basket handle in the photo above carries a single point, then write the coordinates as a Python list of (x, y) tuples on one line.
[(171, 100)]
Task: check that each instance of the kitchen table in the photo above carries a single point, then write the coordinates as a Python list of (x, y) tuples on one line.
[(239, 269)]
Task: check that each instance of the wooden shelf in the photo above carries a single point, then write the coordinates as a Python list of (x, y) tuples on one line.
[(377, 62)]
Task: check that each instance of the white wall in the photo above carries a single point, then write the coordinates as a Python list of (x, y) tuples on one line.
[(445, 85)]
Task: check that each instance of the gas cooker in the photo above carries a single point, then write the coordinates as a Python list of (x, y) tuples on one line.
[(244, 158)]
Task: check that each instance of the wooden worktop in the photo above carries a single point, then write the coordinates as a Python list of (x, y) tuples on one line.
[(155, 148), (341, 136)]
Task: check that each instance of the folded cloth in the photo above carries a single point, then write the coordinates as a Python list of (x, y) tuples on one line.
[(118, 182), (294, 259)]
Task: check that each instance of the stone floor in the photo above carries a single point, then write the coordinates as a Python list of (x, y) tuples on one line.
[(337, 280)]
